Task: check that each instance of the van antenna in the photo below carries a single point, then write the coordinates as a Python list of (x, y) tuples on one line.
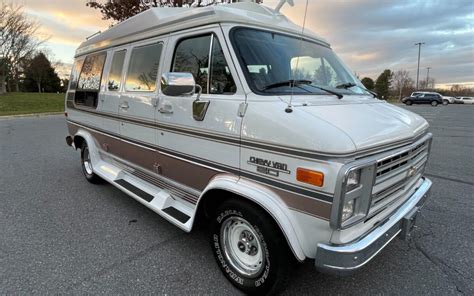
[(281, 3), (289, 108)]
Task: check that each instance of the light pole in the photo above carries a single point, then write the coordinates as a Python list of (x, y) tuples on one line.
[(428, 76), (418, 69)]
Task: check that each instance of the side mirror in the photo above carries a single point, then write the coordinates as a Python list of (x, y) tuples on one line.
[(178, 84)]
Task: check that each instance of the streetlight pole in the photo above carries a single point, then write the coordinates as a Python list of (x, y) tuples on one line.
[(428, 76), (418, 69)]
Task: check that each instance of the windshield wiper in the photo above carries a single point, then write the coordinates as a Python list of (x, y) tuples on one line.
[(339, 95), (347, 85), (290, 82)]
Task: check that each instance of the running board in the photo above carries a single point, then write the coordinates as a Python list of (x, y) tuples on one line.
[(135, 190), (177, 214)]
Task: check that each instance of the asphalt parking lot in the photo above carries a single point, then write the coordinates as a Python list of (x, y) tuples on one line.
[(62, 235)]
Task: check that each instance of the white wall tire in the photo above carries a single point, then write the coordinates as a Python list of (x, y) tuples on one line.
[(249, 248)]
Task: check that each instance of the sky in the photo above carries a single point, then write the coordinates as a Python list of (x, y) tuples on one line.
[(368, 35)]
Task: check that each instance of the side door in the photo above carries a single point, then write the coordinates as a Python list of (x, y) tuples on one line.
[(193, 150), (112, 85), (137, 103)]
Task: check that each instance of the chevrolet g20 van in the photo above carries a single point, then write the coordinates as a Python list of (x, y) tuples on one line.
[(228, 114)]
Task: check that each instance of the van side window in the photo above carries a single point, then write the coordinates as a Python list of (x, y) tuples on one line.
[(115, 74), (143, 68), (75, 73), (89, 80), (192, 56), (221, 79)]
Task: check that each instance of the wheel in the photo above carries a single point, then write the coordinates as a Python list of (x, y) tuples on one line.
[(408, 102), (445, 102), (86, 165), (434, 103), (249, 248)]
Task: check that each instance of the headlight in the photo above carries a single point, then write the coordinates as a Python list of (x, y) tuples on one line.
[(353, 180), (353, 193), (347, 210)]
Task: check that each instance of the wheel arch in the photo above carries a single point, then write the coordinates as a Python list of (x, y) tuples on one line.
[(256, 194)]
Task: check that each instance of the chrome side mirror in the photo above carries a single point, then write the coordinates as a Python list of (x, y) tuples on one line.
[(178, 84)]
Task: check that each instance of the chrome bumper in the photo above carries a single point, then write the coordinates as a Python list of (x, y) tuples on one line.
[(344, 259)]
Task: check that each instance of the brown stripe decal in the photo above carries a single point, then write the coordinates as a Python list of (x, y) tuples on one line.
[(197, 176)]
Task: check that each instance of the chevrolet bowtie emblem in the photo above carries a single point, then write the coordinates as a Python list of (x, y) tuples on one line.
[(412, 171)]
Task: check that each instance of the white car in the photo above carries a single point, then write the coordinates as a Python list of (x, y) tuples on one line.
[(467, 100), (228, 115), (450, 100)]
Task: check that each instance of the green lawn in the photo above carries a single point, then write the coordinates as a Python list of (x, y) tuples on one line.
[(27, 103)]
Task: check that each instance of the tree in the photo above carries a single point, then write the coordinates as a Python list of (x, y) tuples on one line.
[(16, 41), (383, 82), (427, 84), (368, 83), (401, 82), (40, 76), (120, 10)]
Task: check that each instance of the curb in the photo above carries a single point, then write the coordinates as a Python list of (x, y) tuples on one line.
[(30, 115)]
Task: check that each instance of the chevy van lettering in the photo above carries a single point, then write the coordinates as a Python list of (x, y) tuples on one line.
[(268, 167)]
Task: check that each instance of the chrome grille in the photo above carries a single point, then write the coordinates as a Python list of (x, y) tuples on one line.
[(397, 173)]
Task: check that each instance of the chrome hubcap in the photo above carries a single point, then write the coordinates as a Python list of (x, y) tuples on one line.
[(87, 161), (242, 246)]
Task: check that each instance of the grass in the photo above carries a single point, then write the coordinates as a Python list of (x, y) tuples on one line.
[(27, 103)]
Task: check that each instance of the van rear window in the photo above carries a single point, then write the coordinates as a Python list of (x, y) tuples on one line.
[(91, 72), (88, 86)]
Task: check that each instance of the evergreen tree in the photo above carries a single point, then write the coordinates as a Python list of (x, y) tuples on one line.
[(40, 76), (382, 84)]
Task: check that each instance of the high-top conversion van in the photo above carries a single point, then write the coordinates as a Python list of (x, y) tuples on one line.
[(229, 115)]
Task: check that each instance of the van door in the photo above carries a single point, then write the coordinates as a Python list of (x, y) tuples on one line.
[(110, 96), (137, 103), (191, 150)]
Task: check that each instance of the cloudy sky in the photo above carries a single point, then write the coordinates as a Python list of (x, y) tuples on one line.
[(369, 35)]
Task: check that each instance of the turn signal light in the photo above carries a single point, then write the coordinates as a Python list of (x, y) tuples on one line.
[(311, 177)]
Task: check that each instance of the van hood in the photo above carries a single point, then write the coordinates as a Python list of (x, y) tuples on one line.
[(369, 123)]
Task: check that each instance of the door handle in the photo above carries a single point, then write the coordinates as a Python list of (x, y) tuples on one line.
[(166, 108), (124, 106)]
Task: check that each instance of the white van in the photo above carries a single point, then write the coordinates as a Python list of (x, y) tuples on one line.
[(228, 115)]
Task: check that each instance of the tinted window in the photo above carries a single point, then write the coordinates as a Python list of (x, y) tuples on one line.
[(91, 72), (76, 69), (221, 79), (192, 56), (143, 68), (115, 74)]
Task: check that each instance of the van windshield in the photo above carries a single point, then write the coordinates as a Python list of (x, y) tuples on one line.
[(270, 59)]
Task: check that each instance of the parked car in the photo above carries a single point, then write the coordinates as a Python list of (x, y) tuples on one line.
[(424, 98), (467, 100), (458, 100), (191, 112), (449, 100)]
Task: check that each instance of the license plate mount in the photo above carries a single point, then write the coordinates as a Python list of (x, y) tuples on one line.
[(408, 224)]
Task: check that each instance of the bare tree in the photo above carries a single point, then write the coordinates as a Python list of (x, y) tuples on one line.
[(402, 81), (17, 41), (427, 84)]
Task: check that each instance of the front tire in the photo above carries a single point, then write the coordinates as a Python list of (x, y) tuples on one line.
[(445, 102), (86, 165), (249, 248), (408, 102), (434, 103)]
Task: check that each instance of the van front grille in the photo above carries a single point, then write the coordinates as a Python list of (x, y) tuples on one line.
[(397, 173)]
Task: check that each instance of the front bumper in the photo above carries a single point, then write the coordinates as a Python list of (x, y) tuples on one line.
[(345, 259)]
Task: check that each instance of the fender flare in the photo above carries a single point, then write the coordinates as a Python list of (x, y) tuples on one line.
[(266, 199), (91, 143)]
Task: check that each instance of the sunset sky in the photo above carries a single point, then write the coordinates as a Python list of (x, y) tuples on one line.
[(369, 35)]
